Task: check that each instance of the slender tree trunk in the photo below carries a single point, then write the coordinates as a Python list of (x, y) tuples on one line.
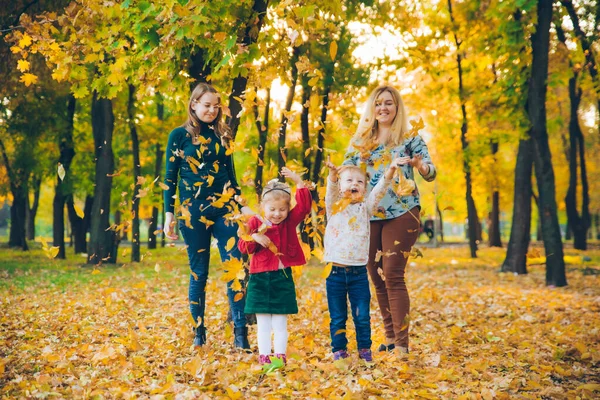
[(18, 212), (536, 106), (137, 174), (158, 156), (101, 236), (282, 150), (586, 46), (441, 221), (520, 232), (263, 132), (494, 228), (67, 152), (473, 219), (305, 124), (246, 39), (32, 208), (79, 226), (198, 69), (316, 169)]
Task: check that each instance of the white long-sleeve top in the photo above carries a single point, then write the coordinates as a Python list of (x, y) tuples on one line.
[(347, 233)]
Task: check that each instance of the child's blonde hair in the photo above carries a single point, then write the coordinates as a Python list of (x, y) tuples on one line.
[(275, 190), (354, 168)]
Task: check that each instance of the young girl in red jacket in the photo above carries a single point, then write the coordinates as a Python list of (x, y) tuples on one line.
[(273, 243)]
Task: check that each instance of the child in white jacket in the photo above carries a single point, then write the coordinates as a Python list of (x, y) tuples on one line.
[(347, 249)]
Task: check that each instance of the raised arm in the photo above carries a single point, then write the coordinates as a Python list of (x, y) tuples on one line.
[(421, 160), (332, 193)]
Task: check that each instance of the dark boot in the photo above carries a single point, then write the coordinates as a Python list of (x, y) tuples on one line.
[(200, 337), (241, 338)]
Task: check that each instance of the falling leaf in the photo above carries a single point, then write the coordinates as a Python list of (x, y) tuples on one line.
[(78, 211), (25, 41), (449, 208), (333, 48), (23, 65), (238, 296), (28, 79), (61, 171), (327, 270), (230, 244)]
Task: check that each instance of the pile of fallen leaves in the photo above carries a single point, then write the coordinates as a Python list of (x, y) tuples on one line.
[(475, 334)]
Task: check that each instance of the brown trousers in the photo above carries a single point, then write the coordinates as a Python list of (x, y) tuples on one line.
[(393, 237)]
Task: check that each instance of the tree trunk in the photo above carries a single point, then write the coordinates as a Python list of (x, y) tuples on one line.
[(101, 236), (282, 151), (494, 228), (305, 124), (316, 169), (32, 211), (588, 51), (473, 219), (61, 190), (158, 155), (137, 174), (441, 221), (18, 211), (520, 232), (263, 133), (198, 69), (250, 35), (79, 226), (536, 106)]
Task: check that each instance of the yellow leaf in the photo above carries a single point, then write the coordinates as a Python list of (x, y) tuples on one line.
[(25, 41), (352, 220), (230, 244), (589, 386), (210, 179), (163, 186), (96, 271), (220, 36), (238, 296), (78, 211), (23, 65), (206, 221), (327, 270), (28, 79), (15, 49), (307, 152), (339, 331), (333, 48), (53, 252)]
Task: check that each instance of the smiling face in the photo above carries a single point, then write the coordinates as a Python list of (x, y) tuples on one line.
[(353, 184), (385, 109), (207, 107), (276, 209)]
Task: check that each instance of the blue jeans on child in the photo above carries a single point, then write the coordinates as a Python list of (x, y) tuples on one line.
[(352, 283), (198, 242)]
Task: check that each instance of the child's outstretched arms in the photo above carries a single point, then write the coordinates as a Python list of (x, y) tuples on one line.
[(333, 170), (297, 179), (332, 193)]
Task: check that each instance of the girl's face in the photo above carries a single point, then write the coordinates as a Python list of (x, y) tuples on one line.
[(207, 107), (385, 109), (276, 210), (353, 185)]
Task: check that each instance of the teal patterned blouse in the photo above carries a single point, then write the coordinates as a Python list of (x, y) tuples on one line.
[(393, 205)]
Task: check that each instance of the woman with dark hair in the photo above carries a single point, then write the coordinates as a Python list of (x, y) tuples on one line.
[(200, 165)]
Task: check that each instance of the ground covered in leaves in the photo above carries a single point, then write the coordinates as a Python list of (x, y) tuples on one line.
[(122, 332)]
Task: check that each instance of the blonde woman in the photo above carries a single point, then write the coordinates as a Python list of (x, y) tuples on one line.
[(199, 165), (382, 140)]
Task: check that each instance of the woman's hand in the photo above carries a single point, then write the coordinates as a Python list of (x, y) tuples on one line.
[(169, 228), (400, 161), (261, 239), (297, 179), (417, 162)]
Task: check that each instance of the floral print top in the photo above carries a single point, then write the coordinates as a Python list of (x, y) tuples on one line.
[(378, 160)]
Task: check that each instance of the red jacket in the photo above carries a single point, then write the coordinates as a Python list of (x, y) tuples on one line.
[(284, 236)]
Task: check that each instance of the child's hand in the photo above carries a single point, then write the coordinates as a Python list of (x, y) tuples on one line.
[(261, 239), (288, 173), (389, 174), (333, 170)]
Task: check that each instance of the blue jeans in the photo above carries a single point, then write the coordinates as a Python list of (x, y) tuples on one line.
[(199, 238), (345, 283)]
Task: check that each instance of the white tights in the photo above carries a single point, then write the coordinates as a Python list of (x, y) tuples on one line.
[(265, 323)]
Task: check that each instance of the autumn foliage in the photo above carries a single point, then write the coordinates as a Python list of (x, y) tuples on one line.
[(125, 332)]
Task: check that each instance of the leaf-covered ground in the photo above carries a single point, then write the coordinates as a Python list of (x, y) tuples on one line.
[(124, 332)]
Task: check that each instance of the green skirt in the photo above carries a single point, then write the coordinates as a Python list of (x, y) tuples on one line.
[(271, 292)]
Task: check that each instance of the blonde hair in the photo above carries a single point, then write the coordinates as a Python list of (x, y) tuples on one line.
[(368, 126), (352, 169), (192, 125), (275, 190)]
